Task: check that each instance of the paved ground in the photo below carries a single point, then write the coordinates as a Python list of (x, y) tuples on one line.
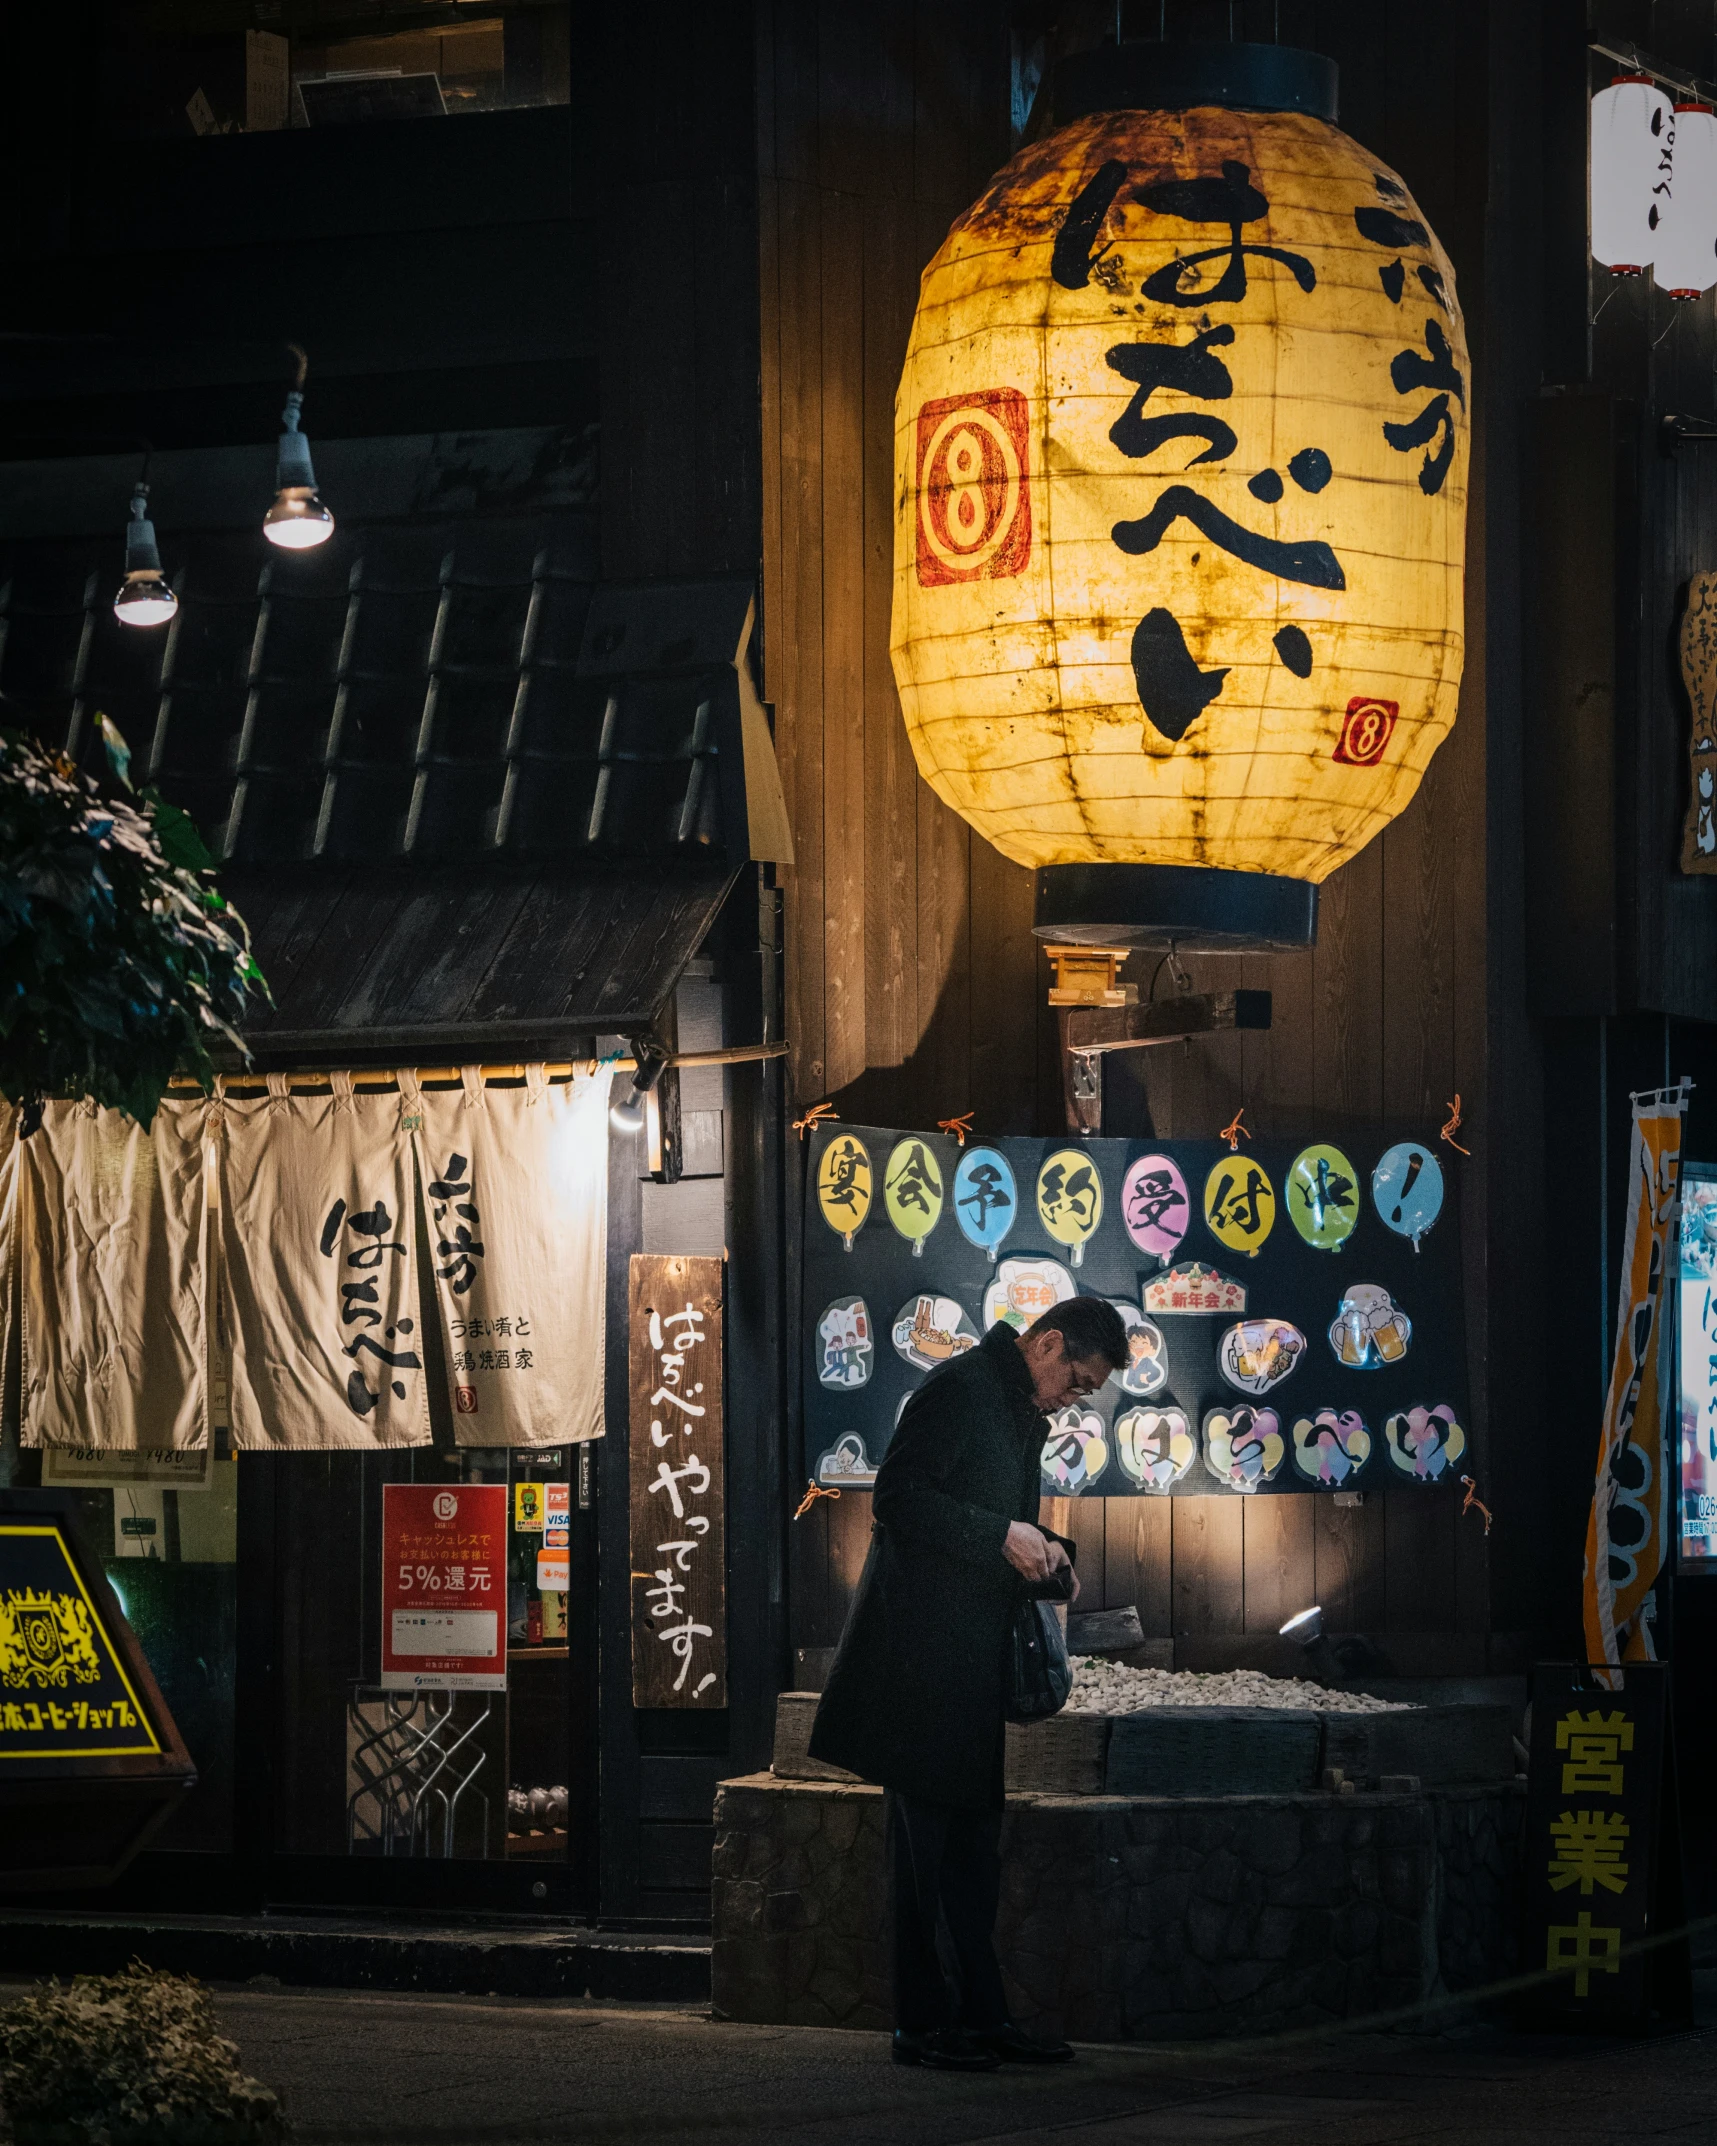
[(444, 2071)]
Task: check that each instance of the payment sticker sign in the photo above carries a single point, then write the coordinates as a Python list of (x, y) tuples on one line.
[(444, 1587), (64, 1692)]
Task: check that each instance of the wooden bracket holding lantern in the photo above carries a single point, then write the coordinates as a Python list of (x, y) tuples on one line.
[(1090, 1031)]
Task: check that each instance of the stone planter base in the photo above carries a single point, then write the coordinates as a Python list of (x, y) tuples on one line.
[(1133, 1919)]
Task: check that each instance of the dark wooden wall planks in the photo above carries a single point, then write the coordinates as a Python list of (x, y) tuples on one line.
[(914, 989)]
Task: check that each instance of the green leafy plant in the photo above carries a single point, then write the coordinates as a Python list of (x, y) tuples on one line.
[(120, 962), (127, 2060)]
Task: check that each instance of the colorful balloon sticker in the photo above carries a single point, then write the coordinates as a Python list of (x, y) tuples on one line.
[(1192, 1287), (1155, 1205), (929, 1329), (1075, 1453), (1370, 1329), (1243, 1446), (1070, 1199), (846, 1347), (1259, 1354), (1425, 1443), (1239, 1204), (1331, 1446), (843, 1186), (1147, 1367), (846, 1465), (986, 1198), (1022, 1290), (912, 1191), (1323, 1196), (1407, 1186), (1155, 1447)]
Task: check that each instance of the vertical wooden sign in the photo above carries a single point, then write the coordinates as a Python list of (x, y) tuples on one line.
[(678, 1482), (1699, 675)]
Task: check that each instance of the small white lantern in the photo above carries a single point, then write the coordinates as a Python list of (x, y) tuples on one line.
[(1633, 142), (1686, 260)]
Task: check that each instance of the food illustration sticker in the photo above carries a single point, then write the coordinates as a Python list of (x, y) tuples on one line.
[(912, 1191), (1155, 1205), (846, 1465), (1024, 1289), (1323, 1197), (1243, 1446), (1370, 1329), (1239, 1204), (1425, 1443), (1147, 1366), (1259, 1354), (1154, 1446), (1070, 1199), (1075, 1453), (929, 1329), (843, 1186), (1192, 1287), (846, 1347), (1331, 1446), (1407, 1187), (986, 1198)]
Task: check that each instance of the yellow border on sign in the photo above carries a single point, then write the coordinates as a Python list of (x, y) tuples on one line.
[(86, 1751)]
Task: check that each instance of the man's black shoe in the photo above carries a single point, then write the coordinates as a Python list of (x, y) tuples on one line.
[(946, 2049), (1012, 2045)]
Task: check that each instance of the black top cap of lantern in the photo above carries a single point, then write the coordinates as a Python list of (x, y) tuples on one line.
[(1192, 906), (1152, 76)]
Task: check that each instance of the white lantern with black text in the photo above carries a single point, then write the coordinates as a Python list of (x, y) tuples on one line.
[(1633, 143), (1686, 259)]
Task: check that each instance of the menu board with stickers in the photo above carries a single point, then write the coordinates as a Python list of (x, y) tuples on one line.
[(1293, 1311)]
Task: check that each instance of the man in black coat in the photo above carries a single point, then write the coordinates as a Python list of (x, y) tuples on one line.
[(914, 1699)]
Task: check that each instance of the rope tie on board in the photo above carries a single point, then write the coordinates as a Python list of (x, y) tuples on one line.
[(813, 1491), (1472, 1502), (816, 1115), (1453, 1126), (957, 1128), (1234, 1131)]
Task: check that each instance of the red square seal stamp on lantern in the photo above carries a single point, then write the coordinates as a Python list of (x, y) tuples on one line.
[(1366, 731), (974, 488)]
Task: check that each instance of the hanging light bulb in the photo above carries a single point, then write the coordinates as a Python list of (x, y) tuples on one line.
[(1633, 143), (1686, 259), (297, 520), (144, 597)]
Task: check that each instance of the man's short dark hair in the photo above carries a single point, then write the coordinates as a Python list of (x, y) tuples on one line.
[(1090, 1327)]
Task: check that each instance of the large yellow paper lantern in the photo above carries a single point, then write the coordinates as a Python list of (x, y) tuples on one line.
[(1181, 483)]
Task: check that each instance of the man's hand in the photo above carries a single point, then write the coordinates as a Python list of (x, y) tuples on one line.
[(1033, 1556)]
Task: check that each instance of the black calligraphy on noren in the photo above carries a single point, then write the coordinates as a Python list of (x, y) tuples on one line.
[(360, 1305), (457, 1244)]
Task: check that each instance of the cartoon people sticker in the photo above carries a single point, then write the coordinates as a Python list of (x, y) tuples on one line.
[(930, 1329), (1024, 1289), (843, 1186), (1331, 1446), (1155, 1447), (1259, 1353), (912, 1191), (846, 1465), (1243, 1446), (1425, 1443), (1407, 1189), (1147, 1367), (1155, 1205), (1370, 1329), (1322, 1193), (986, 1198), (846, 1347), (1070, 1199), (1239, 1204), (1075, 1453)]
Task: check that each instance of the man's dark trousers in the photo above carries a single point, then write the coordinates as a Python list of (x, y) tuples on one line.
[(944, 1863)]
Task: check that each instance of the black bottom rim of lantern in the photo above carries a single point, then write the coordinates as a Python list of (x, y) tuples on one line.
[(1191, 906), (1147, 75)]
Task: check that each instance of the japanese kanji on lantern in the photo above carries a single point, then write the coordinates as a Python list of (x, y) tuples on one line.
[(1180, 481)]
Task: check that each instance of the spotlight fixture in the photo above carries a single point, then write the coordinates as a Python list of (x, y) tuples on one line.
[(628, 1115), (144, 597), (1306, 1628), (297, 520)]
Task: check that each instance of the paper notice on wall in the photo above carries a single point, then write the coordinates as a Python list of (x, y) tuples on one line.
[(319, 1279), (111, 1223), (515, 1192)]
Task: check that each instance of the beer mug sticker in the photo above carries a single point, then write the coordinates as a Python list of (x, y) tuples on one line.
[(912, 1191), (1425, 1443), (1407, 1188), (1155, 1206), (1370, 1329), (1022, 1290), (930, 1329), (1239, 1205), (846, 1349), (1147, 1367), (1070, 1199), (1259, 1353), (1323, 1197), (986, 1198), (843, 1186), (1243, 1447), (1331, 1446), (1154, 1446), (1075, 1453)]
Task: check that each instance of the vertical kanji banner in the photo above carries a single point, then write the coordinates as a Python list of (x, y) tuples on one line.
[(1627, 1533), (319, 1285), (515, 1199)]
